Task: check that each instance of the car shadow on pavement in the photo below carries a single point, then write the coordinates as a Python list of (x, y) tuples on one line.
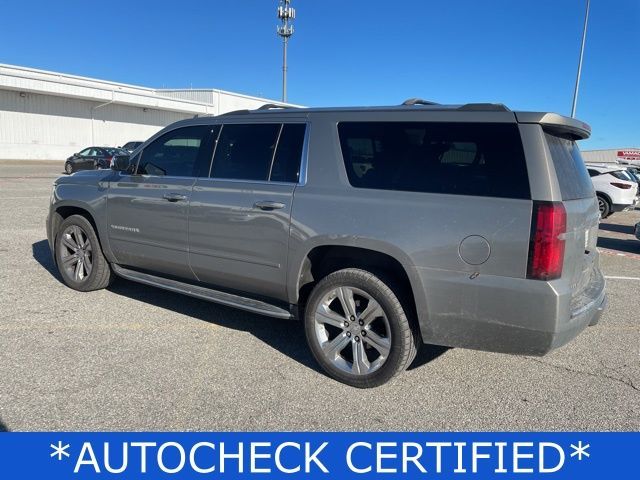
[(283, 335), (427, 354), (630, 245), (3, 427), (42, 254), (612, 227)]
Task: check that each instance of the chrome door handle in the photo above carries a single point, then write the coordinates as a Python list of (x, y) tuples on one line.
[(174, 197), (268, 205)]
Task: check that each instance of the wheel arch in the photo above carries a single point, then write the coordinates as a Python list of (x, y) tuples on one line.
[(64, 210), (322, 259), (605, 196)]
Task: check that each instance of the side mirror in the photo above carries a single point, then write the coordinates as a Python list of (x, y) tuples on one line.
[(122, 163)]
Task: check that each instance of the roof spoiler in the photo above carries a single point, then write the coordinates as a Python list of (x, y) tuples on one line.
[(557, 124)]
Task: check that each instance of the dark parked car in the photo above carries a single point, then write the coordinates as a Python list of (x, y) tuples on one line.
[(92, 158), (131, 146)]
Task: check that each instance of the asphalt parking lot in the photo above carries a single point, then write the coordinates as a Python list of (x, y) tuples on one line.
[(137, 358)]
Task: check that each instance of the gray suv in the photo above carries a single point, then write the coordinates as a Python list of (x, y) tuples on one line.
[(380, 228)]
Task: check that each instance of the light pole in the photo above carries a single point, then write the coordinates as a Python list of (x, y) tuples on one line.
[(584, 38), (286, 14)]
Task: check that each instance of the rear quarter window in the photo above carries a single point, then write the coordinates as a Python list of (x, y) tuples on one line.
[(478, 159), (573, 177)]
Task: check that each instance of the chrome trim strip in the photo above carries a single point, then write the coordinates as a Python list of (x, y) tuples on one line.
[(275, 150), (302, 178), (239, 180)]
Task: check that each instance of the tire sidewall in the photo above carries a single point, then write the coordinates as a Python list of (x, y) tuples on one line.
[(68, 168), (95, 248), (392, 309)]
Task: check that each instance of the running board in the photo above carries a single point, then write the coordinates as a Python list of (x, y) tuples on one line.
[(215, 296)]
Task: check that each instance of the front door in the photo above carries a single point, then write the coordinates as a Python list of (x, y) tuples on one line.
[(239, 216), (147, 212), (86, 159)]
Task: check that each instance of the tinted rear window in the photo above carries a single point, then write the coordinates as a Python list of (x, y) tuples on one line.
[(481, 159), (573, 177)]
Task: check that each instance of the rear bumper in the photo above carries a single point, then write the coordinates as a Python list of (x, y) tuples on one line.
[(507, 315), (621, 207), (626, 204)]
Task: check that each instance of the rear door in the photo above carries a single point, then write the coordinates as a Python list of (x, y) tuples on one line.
[(581, 205), (147, 212), (239, 215)]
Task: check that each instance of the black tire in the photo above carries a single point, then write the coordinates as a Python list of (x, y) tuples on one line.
[(68, 168), (100, 275), (403, 342), (604, 205)]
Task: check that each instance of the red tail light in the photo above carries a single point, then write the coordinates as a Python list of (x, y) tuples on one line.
[(623, 186), (546, 245), (108, 159)]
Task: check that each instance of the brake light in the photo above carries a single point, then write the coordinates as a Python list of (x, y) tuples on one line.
[(546, 244), (623, 186)]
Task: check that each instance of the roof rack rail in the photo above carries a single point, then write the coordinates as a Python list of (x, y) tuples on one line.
[(234, 112), (484, 107), (418, 101), (269, 106)]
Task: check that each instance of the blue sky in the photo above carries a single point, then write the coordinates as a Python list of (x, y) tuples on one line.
[(521, 53)]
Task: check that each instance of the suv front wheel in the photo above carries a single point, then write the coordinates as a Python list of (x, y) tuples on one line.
[(79, 257), (357, 329)]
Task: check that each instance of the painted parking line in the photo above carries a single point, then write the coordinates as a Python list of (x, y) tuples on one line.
[(621, 278)]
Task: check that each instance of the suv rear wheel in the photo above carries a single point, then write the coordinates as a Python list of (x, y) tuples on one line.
[(357, 328), (79, 257)]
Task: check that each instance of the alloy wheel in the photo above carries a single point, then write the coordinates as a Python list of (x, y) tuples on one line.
[(76, 253), (352, 330)]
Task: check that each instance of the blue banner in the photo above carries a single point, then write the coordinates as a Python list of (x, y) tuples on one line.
[(319, 455)]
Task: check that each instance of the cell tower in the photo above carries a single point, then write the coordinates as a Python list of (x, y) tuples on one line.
[(286, 14)]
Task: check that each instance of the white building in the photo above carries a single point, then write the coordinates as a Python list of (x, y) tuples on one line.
[(48, 115), (615, 155)]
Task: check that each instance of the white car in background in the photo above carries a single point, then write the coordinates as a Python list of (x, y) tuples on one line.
[(615, 187)]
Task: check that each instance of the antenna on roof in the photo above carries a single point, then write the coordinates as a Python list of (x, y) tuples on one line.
[(418, 101)]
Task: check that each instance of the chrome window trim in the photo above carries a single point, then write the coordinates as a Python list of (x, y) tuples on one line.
[(304, 161), (275, 150), (215, 147), (239, 180)]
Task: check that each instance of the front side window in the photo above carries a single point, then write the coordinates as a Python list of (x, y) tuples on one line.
[(179, 153), (480, 159), (259, 152)]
